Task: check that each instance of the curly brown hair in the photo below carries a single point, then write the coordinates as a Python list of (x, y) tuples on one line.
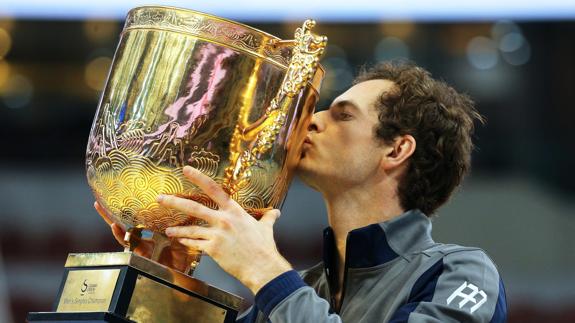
[(441, 121)]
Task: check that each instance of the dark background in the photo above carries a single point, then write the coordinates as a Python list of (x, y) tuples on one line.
[(517, 204)]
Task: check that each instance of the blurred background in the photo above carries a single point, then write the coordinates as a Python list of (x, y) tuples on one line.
[(517, 60)]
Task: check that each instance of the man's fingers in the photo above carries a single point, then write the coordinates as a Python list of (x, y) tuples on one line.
[(190, 232), (103, 213), (118, 233), (270, 217), (198, 245), (190, 207), (208, 186), (117, 230)]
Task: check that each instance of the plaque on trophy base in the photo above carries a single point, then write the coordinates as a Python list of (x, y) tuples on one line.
[(124, 287)]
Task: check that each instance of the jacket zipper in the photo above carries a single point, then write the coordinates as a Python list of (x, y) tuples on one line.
[(344, 283)]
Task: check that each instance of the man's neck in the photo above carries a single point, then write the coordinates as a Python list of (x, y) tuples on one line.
[(355, 208)]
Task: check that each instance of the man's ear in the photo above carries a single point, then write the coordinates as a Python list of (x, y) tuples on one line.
[(398, 152)]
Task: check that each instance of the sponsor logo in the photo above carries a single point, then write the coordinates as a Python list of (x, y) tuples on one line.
[(87, 288), (468, 293)]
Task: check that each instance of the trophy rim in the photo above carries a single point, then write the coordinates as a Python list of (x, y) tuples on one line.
[(208, 15), (266, 37)]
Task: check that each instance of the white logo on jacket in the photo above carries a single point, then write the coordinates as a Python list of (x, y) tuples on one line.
[(468, 297)]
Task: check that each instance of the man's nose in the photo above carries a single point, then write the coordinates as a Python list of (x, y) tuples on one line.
[(316, 124)]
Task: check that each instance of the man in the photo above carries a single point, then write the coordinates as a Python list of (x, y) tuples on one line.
[(385, 155)]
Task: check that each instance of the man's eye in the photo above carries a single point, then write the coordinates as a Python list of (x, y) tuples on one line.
[(345, 116)]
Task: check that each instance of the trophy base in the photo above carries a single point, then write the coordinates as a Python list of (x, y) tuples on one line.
[(124, 287), (93, 317)]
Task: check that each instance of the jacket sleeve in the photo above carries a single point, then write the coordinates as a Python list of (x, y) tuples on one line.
[(463, 286), (288, 299)]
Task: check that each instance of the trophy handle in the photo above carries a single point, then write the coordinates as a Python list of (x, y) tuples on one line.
[(262, 134)]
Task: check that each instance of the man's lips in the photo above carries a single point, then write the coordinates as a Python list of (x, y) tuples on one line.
[(305, 146)]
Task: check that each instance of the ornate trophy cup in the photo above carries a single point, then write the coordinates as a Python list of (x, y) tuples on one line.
[(186, 88)]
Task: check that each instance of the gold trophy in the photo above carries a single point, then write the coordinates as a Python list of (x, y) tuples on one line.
[(186, 88)]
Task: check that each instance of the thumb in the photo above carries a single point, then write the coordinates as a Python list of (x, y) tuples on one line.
[(118, 233), (270, 217)]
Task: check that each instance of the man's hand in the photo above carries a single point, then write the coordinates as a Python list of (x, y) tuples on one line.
[(241, 245), (174, 256), (144, 248)]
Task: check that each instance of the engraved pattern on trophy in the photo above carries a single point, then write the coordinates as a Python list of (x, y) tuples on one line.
[(139, 163), (208, 27), (125, 181)]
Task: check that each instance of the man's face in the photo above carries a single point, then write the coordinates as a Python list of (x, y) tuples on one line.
[(341, 148)]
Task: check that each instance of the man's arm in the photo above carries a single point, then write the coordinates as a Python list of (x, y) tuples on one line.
[(288, 299), (463, 286)]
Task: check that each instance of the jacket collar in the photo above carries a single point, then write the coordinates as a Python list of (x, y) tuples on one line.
[(379, 243)]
